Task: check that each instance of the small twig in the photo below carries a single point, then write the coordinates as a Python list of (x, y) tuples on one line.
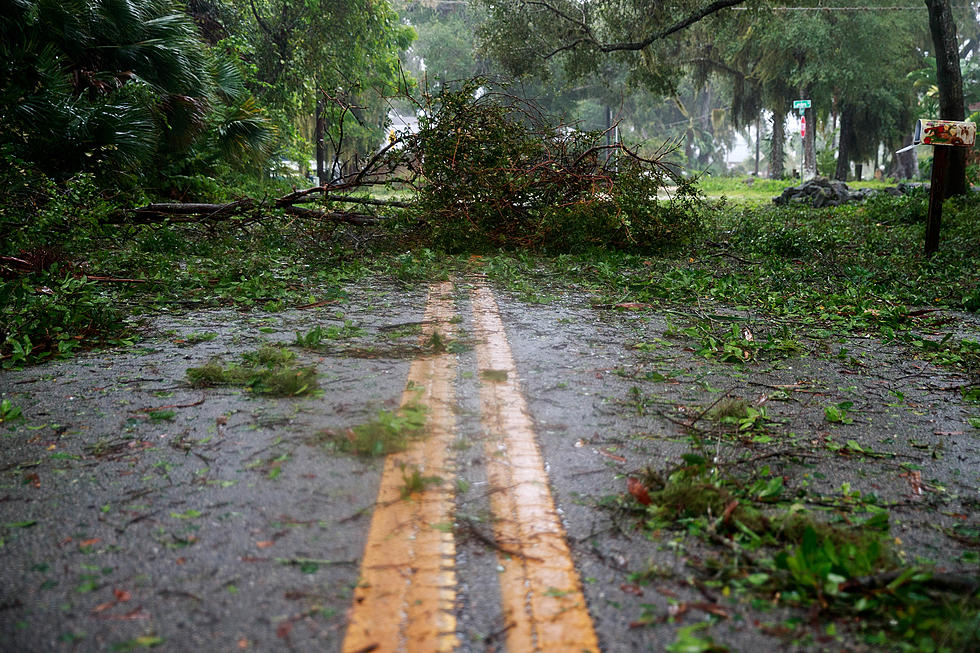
[(711, 405), (314, 561), (590, 471), (732, 256), (367, 200), (491, 541), (360, 219), (739, 552), (318, 304), (114, 279), (151, 409), (772, 454), (357, 515), (961, 386), (961, 582)]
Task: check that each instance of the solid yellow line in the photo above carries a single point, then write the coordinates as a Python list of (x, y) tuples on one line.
[(405, 600), (543, 604)]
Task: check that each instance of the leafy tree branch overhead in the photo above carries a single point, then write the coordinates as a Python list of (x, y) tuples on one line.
[(588, 36), (160, 93), (553, 27)]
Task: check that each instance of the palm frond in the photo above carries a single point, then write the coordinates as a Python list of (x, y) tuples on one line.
[(228, 79), (244, 133)]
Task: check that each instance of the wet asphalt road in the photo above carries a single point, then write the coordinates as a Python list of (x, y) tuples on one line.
[(138, 512)]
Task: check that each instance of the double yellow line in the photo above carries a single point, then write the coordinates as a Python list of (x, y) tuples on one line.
[(406, 597)]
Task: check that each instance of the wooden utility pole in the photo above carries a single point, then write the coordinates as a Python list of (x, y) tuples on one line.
[(948, 137), (940, 167)]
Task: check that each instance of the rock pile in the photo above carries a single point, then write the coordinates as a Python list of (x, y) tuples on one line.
[(820, 191)]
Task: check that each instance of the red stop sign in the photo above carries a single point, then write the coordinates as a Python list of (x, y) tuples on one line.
[(802, 126)]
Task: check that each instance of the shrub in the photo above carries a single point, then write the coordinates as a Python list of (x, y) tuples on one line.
[(52, 314)]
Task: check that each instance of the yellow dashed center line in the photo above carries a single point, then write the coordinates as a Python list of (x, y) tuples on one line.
[(542, 598), (405, 600)]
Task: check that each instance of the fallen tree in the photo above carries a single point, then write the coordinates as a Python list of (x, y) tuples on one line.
[(499, 173), (177, 212), (487, 170), (380, 169)]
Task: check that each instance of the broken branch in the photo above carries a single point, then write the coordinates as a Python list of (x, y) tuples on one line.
[(359, 219)]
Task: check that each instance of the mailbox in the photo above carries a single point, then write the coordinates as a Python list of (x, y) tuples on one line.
[(944, 132), (955, 133)]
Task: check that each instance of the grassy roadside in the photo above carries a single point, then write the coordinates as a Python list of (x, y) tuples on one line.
[(855, 267)]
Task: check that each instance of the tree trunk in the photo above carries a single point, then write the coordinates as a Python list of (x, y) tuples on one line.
[(950, 81), (689, 149), (810, 143), (858, 171), (321, 125), (904, 165), (758, 139), (776, 152), (844, 143)]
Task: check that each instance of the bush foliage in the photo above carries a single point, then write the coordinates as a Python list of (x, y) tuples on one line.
[(498, 173)]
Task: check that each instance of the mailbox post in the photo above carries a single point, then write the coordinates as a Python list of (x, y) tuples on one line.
[(943, 134)]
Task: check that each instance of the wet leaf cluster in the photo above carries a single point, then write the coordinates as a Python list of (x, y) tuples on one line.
[(316, 337), (51, 314), (270, 370), (767, 542), (387, 432)]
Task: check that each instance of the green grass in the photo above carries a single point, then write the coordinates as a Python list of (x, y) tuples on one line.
[(758, 190), (416, 482), (810, 272)]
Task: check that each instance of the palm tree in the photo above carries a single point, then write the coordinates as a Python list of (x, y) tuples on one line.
[(100, 84)]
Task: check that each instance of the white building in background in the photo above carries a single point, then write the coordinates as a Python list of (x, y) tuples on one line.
[(402, 123)]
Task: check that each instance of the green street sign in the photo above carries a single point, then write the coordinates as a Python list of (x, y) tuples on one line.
[(801, 104)]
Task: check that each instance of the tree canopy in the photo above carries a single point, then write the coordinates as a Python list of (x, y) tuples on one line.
[(152, 87), (852, 62)]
